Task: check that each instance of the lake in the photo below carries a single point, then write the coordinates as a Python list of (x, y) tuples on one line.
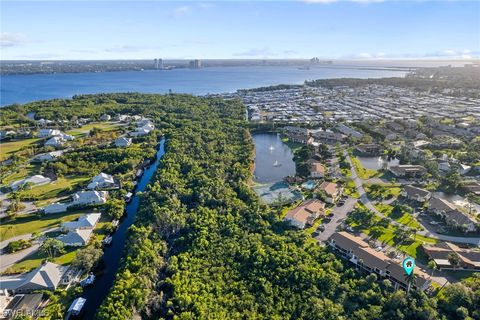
[(273, 158), (27, 88)]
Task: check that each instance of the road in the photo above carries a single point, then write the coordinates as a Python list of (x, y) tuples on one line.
[(427, 233), (339, 214)]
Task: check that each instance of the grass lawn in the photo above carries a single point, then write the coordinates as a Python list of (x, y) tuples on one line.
[(29, 223), (9, 148), (34, 260), (22, 173), (350, 189), (405, 218), (105, 126), (363, 173), (384, 191), (57, 188)]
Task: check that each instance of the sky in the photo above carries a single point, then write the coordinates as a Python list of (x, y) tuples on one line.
[(329, 29)]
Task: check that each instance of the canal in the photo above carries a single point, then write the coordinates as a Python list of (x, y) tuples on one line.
[(113, 254), (273, 158)]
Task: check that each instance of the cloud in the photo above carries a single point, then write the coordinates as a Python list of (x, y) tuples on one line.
[(181, 11), (333, 1), (255, 52), (10, 39)]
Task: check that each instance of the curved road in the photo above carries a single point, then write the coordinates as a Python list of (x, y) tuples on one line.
[(427, 233)]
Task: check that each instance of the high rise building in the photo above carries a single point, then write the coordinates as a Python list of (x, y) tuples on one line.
[(195, 64), (160, 64), (155, 63)]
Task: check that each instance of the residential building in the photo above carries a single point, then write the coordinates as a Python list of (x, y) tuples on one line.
[(55, 142), (366, 259), (332, 191), (47, 157), (317, 170), (123, 142), (55, 208), (88, 221), (415, 193), (36, 180), (305, 214), (327, 136), (453, 216), (105, 117), (26, 304), (47, 133), (369, 149), (89, 198), (349, 132), (76, 238), (472, 187), (440, 253), (408, 171), (101, 181), (48, 276)]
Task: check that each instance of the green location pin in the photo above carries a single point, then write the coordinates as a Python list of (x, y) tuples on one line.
[(408, 265)]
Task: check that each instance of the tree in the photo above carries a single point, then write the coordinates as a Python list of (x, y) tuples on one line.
[(115, 208), (411, 280), (87, 258), (454, 259), (51, 247), (432, 265)]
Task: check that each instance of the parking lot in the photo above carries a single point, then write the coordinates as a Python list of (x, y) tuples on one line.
[(338, 215)]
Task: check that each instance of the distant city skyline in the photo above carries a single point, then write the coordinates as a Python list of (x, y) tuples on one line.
[(328, 29)]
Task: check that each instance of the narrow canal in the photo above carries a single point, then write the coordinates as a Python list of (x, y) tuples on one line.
[(113, 254)]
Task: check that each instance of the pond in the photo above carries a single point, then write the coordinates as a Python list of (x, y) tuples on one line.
[(376, 163), (273, 158)]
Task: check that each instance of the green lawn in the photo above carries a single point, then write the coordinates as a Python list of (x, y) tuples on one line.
[(384, 191), (350, 189), (34, 260), (363, 173), (105, 126), (21, 173), (29, 223), (9, 148), (59, 187), (405, 219)]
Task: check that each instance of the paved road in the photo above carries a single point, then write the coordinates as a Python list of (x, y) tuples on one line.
[(339, 214), (427, 233)]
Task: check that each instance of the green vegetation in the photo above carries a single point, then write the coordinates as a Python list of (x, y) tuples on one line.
[(10, 148), (104, 126), (398, 214), (382, 191), (60, 187), (18, 245), (362, 172)]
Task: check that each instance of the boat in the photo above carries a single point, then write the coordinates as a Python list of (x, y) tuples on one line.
[(115, 223), (128, 197), (76, 307), (108, 240), (88, 280), (276, 164)]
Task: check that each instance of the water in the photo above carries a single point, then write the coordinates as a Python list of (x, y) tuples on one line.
[(27, 88), (376, 163), (265, 158), (113, 254)]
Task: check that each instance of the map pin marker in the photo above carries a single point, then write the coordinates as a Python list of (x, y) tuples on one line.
[(408, 265)]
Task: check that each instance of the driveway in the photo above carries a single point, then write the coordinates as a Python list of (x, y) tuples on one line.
[(339, 215)]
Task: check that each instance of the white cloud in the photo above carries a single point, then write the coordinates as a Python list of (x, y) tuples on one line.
[(181, 11), (364, 55), (10, 39), (256, 52), (333, 1)]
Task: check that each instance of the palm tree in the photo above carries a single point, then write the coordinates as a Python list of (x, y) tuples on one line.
[(410, 279), (432, 265)]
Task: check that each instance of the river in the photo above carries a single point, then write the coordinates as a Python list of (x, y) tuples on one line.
[(27, 88), (114, 253), (271, 150)]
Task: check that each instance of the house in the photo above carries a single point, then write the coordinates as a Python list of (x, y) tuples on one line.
[(408, 171), (48, 276), (101, 181), (122, 142), (305, 214), (47, 133), (83, 198), (47, 157), (368, 260), (88, 221), (55, 208), (327, 136), (105, 117), (472, 187), (417, 194), (452, 216), (440, 252), (36, 180), (55, 142), (348, 131), (304, 138), (332, 191), (66, 137), (369, 149), (21, 304), (317, 170), (76, 238)]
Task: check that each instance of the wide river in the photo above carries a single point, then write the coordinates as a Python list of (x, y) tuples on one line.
[(27, 88)]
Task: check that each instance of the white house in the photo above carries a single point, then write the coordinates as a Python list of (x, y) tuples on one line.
[(88, 221), (46, 133), (66, 137), (122, 142), (89, 198), (36, 180), (105, 117), (46, 157), (76, 238), (55, 208), (55, 142), (101, 181)]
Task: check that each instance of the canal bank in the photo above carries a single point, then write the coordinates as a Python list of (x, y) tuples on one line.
[(113, 254)]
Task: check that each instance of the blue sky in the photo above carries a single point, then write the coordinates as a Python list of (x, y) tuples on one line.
[(356, 29)]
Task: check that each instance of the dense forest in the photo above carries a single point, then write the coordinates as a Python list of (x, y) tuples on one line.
[(203, 247)]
